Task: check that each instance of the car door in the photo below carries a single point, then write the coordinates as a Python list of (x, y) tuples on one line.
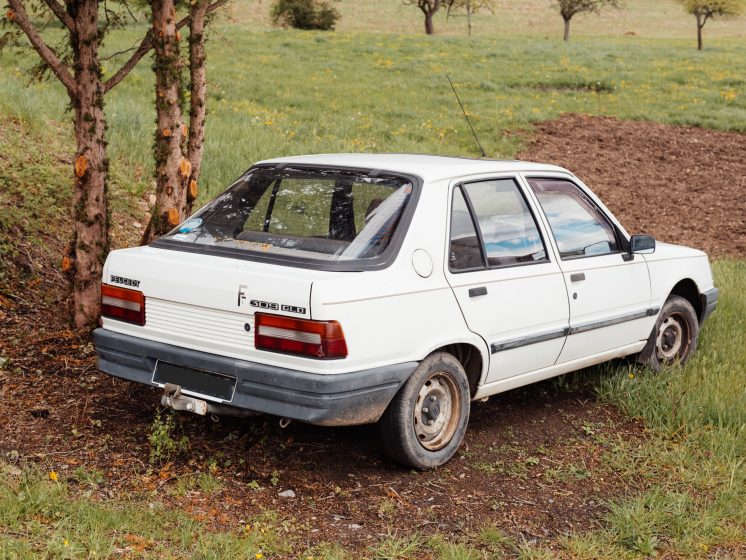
[(608, 289), (511, 292)]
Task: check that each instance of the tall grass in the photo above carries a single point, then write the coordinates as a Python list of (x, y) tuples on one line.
[(693, 462)]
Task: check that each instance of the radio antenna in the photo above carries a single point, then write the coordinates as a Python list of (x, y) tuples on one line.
[(481, 149)]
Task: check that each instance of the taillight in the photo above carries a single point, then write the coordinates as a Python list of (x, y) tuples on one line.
[(323, 340), (123, 304)]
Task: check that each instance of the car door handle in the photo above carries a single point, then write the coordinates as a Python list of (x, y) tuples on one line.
[(577, 277), (480, 291)]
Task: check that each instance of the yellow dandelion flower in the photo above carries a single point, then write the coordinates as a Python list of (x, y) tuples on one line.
[(53, 476), (631, 375), (258, 556)]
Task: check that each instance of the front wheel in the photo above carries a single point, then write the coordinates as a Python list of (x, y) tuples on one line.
[(425, 423), (674, 337)]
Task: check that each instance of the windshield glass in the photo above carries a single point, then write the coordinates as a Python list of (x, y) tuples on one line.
[(328, 215)]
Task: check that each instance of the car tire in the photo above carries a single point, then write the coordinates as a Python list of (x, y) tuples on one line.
[(674, 337), (425, 423)]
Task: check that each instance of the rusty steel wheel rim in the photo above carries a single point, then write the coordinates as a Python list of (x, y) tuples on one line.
[(437, 411), (673, 340)]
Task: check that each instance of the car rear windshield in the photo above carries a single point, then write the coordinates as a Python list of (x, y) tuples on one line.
[(318, 214)]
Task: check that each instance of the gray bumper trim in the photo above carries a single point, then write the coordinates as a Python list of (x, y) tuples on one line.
[(341, 399), (709, 303)]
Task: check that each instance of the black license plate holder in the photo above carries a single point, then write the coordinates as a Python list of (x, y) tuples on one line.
[(197, 382)]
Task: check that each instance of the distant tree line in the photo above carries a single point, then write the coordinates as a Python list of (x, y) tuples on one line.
[(702, 10)]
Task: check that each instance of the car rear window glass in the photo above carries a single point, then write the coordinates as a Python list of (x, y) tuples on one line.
[(508, 228), (578, 226), (465, 252), (320, 214)]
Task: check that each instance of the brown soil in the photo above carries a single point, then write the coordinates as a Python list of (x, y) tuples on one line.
[(534, 462), (683, 185)]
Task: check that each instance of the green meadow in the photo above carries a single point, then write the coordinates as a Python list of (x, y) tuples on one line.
[(276, 92), (378, 84)]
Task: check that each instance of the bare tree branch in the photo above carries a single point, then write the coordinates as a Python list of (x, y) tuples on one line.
[(145, 46), (118, 53), (21, 18), (61, 13)]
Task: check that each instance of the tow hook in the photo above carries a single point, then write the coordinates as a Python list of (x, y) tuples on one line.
[(172, 398)]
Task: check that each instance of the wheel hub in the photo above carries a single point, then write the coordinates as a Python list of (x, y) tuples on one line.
[(673, 338), (437, 411)]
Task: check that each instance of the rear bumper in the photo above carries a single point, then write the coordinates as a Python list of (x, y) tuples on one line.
[(709, 303), (342, 399)]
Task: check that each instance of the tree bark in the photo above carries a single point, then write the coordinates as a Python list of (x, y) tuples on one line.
[(429, 28), (567, 29), (171, 167), (198, 95), (468, 19), (91, 234), (700, 25)]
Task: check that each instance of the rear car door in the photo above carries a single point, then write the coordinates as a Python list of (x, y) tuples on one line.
[(511, 292), (608, 289)]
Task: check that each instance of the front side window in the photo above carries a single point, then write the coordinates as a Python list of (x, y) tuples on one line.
[(507, 232), (579, 227), (318, 214)]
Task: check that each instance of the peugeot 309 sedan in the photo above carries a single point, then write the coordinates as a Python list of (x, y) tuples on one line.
[(398, 289)]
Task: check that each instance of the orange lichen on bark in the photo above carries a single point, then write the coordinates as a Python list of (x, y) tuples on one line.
[(10, 15), (81, 165), (66, 264), (167, 132), (184, 130)]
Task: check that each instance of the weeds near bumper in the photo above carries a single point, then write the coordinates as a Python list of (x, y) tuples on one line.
[(163, 443)]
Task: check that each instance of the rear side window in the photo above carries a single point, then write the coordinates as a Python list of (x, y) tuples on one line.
[(578, 226), (502, 225), (325, 215), (465, 251)]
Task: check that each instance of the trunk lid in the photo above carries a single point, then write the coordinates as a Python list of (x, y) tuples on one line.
[(206, 302)]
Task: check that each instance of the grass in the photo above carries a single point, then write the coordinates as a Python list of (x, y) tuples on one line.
[(692, 463), (43, 518), (281, 92)]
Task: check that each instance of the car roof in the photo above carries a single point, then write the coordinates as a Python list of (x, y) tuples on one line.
[(428, 167)]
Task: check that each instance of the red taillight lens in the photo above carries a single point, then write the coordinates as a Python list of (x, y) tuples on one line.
[(323, 340), (123, 304)]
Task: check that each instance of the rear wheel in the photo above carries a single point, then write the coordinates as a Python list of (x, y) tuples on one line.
[(426, 421), (674, 337)]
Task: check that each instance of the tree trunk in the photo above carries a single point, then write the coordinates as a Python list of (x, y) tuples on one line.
[(700, 25), (171, 167), (90, 241), (468, 18), (567, 29), (429, 28), (198, 95)]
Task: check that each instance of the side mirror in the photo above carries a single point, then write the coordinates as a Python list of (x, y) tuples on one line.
[(644, 244)]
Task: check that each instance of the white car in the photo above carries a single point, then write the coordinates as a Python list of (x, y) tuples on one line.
[(354, 288)]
